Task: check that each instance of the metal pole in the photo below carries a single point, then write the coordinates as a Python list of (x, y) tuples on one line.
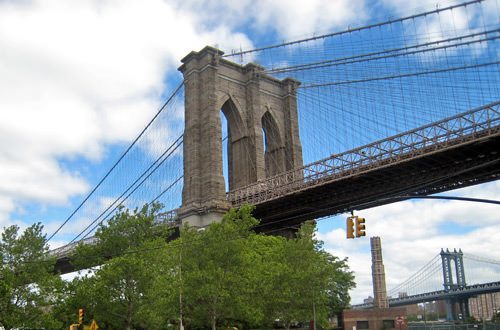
[(425, 317), (181, 326), (314, 312)]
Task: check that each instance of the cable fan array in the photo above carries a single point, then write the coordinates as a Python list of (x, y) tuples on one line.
[(357, 86)]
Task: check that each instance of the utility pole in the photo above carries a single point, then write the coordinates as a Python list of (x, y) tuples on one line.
[(314, 311), (181, 326)]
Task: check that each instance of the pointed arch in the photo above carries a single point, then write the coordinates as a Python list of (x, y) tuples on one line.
[(274, 149), (239, 164), (235, 126)]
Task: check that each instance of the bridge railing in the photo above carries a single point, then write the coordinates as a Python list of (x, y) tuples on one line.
[(168, 218), (67, 249), (452, 131)]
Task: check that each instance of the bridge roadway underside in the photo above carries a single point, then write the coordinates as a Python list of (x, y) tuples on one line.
[(433, 172)]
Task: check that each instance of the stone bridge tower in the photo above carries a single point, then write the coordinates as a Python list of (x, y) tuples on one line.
[(263, 131)]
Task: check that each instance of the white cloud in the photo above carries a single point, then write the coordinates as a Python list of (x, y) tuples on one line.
[(289, 19), (298, 18), (78, 77), (6, 206), (459, 21)]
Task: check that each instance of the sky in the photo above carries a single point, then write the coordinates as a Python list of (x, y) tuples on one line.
[(80, 79)]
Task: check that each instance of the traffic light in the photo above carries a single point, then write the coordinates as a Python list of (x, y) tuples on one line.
[(350, 227), (81, 316), (360, 227)]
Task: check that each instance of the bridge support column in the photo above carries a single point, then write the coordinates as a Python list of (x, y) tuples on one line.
[(464, 308), (262, 124), (457, 309), (449, 310)]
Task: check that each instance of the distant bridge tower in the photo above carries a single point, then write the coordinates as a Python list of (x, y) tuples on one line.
[(263, 131), (448, 259), (378, 275)]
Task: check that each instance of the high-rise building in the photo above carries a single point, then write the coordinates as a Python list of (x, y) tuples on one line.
[(378, 275), (484, 306), (381, 315)]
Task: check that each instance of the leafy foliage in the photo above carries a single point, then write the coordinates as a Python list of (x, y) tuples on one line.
[(117, 289), (221, 276), (26, 286), (232, 275), (214, 264)]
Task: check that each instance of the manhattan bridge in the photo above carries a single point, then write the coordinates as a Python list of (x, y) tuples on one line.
[(317, 127)]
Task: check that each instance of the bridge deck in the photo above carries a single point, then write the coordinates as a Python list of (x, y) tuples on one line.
[(454, 153), (465, 292)]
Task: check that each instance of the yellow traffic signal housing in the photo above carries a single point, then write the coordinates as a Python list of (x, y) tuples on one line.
[(350, 227), (360, 227), (81, 316)]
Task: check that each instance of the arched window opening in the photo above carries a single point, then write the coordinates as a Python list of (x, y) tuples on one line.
[(453, 268), (274, 152), (235, 148), (224, 139)]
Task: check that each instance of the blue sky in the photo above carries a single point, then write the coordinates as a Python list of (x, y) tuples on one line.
[(80, 79)]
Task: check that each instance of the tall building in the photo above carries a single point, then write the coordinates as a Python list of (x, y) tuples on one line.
[(381, 316), (485, 305), (378, 275)]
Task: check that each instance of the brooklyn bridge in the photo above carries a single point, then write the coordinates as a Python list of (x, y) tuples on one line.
[(315, 127)]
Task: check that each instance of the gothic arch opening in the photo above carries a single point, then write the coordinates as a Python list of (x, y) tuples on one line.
[(453, 271), (224, 137), (274, 151), (235, 147)]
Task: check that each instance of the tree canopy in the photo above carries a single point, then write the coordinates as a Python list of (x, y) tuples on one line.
[(26, 284), (143, 275)]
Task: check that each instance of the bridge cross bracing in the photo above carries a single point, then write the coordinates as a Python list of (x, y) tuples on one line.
[(357, 86)]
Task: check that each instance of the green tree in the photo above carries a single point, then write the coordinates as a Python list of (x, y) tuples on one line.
[(26, 279), (220, 276), (232, 276), (61, 313), (339, 280), (306, 282), (495, 318), (124, 231), (162, 297), (471, 320), (214, 276), (115, 291)]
